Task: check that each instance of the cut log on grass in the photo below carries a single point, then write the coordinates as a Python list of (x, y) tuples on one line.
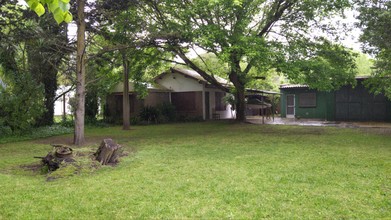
[(60, 153), (108, 152)]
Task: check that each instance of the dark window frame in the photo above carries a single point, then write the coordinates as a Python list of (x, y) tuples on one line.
[(184, 101), (307, 100)]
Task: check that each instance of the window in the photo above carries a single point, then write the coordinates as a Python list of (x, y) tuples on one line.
[(184, 101), (219, 102), (307, 100)]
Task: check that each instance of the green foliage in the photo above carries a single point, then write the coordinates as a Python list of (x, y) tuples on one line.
[(21, 102), (374, 20), (35, 47), (149, 114), (252, 39), (41, 132), (167, 112), (91, 105), (162, 113), (331, 67), (364, 65), (59, 9)]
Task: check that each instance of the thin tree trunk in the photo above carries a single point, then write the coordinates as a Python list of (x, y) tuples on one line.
[(125, 98), (80, 74)]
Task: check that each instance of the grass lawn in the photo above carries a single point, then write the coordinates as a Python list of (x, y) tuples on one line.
[(210, 170)]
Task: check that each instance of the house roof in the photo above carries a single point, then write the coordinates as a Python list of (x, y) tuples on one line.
[(194, 75), (289, 86)]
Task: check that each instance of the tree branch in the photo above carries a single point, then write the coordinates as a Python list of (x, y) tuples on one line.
[(204, 75), (65, 92)]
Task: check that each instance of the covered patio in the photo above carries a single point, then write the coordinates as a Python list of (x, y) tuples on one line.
[(263, 102)]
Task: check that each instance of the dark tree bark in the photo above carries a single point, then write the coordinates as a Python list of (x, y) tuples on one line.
[(125, 98)]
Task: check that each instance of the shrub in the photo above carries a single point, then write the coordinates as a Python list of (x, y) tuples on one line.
[(67, 123), (135, 120), (5, 131), (149, 114), (21, 102), (167, 112)]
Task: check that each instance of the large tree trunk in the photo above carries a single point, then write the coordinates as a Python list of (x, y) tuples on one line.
[(239, 84), (80, 74), (125, 98), (240, 104)]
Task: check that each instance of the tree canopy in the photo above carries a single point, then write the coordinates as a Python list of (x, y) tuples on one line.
[(261, 34), (375, 21)]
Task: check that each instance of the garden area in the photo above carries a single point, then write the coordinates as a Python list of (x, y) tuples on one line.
[(205, 170)]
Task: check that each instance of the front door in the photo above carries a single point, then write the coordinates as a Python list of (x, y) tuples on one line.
[(290, 106)]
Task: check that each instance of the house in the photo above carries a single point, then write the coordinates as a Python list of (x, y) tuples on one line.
[(114, 101), (191, 95), (345, 104)]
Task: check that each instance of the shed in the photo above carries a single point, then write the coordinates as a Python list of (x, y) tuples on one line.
[(345, 104)]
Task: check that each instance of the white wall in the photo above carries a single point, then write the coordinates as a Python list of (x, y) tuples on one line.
[(179, 83), (227, 113), (58, 105)]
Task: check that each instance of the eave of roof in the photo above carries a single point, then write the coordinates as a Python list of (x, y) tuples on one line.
[(289, 86), (195, 76), (262, 91)]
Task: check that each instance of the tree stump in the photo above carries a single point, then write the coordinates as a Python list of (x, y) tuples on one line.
[(108, 152), (59, 154)]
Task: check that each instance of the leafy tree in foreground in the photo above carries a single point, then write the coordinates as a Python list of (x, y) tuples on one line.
[(59, 9), (45, 51), (31, 51), (375, 21), (247, 34)]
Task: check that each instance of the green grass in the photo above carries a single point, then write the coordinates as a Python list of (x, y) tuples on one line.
[(34, 133), (211, 170)]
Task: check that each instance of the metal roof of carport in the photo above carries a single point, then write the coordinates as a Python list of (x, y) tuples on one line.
[(263, 91)]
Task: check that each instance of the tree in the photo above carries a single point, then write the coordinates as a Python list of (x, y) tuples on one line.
[(32, 49), (60, 11), (78, 138), (46, 49), (374, 20), (122, 27), (245, 34)]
